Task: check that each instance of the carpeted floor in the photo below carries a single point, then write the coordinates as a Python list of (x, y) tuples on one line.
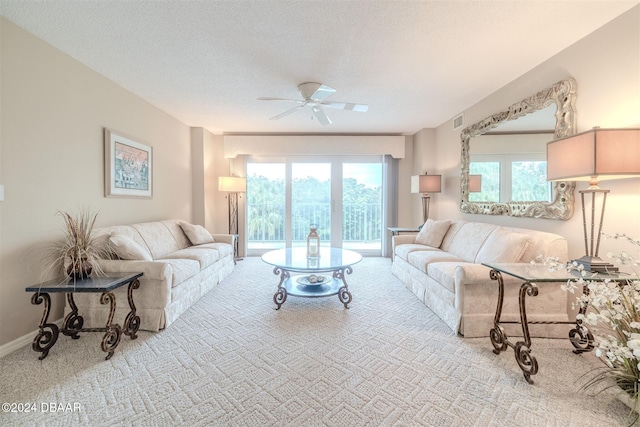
[(232, 360)]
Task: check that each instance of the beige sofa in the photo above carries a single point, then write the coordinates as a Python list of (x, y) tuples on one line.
[(181, 262), (442, 265)]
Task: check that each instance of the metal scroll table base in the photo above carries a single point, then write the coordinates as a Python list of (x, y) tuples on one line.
[(580, 336), (288, 286), (73, 322)]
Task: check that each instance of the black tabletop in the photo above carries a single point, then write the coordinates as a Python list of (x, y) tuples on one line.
[(92, 284)]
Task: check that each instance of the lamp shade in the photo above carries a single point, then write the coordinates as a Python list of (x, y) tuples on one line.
[(601, 153), (232, 184), (475, 183), (426, 183)]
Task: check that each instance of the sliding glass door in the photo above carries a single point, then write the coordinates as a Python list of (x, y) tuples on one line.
[(362, 221), (266, 206), (341, 195), (310, 201)]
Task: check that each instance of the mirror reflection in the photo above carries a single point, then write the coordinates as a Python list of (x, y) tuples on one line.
[(512, 159), (509, 150)]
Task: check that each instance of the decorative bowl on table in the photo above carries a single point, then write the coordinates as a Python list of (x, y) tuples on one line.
[(312, 280)]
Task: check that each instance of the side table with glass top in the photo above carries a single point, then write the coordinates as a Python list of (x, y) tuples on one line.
[(580, 336), (73, 322), (396, 231)]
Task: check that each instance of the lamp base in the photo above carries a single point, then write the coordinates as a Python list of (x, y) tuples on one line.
[(596, 265)]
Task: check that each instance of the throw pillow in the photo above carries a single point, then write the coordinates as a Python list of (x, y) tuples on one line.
[(127, 248), (432, 232), (197, 234), (503, 246)]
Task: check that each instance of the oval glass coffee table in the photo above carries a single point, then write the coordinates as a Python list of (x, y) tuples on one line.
[(320, 277)]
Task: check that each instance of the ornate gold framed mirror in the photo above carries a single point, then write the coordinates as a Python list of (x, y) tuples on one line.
[(560, 206)]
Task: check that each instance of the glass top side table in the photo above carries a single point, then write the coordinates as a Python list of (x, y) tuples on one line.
[(580, 336)]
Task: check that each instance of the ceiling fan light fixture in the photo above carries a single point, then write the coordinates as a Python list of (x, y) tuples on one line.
[(314, 95)]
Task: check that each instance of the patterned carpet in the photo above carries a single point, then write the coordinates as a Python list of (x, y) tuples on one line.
[(232, 360)]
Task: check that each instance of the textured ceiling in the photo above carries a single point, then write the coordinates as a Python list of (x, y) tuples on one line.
[(415, 63)]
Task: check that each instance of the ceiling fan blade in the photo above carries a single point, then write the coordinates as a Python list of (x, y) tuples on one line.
[(286, 113), (349, 106), (266, 98), (321, 116), (323, 92)]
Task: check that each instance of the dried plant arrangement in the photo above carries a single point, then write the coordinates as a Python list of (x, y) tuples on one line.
[(75, 256)]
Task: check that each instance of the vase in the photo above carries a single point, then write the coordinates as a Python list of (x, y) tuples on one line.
[(79, 270)]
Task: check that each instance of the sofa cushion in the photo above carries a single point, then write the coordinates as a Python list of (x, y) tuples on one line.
[(503, 246), (403, 251), (197, 234), (182, 269), (469, 239), (175, 228), (204, 258), (455, 226), (158, 238), (126, 248), (422, 259), (432, 232), (223, 249)]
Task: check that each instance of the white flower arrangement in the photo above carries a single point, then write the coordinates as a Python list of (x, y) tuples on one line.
[(613, 315)]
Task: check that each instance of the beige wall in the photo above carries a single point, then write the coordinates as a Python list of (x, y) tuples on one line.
[(606, 67), (215, 203), (51, 158), (405, 198), (424, 159), (208, 163)]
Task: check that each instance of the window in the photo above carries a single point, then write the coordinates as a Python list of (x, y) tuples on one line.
[(362, 206), (342, 195), (490, 172), (511, 177), (529, 181)]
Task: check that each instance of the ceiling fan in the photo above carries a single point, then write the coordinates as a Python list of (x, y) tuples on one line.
[(314, 96)]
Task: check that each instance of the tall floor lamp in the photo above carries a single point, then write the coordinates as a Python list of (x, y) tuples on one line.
[(426, 184), (593, 156), (233, 185)]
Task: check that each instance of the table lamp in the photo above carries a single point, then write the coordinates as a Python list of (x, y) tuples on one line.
[(595, 155), (426, 184)]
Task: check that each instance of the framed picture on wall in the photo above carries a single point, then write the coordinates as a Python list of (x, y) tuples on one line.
[(128, 166)]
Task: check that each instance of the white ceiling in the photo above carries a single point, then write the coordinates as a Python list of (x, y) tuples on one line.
[(416, 64)]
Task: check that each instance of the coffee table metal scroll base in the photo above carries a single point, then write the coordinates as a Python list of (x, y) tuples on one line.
[(319, 277), (343, 293), (281, 294)]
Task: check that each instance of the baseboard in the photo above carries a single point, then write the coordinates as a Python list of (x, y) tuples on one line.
[(18, 343)]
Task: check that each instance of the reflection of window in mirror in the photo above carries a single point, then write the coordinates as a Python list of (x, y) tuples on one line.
[(529, 181), (490, 172), (511, 177), (519, 148)]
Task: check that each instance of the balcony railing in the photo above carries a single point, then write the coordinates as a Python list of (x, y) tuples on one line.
[(361, 222)]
